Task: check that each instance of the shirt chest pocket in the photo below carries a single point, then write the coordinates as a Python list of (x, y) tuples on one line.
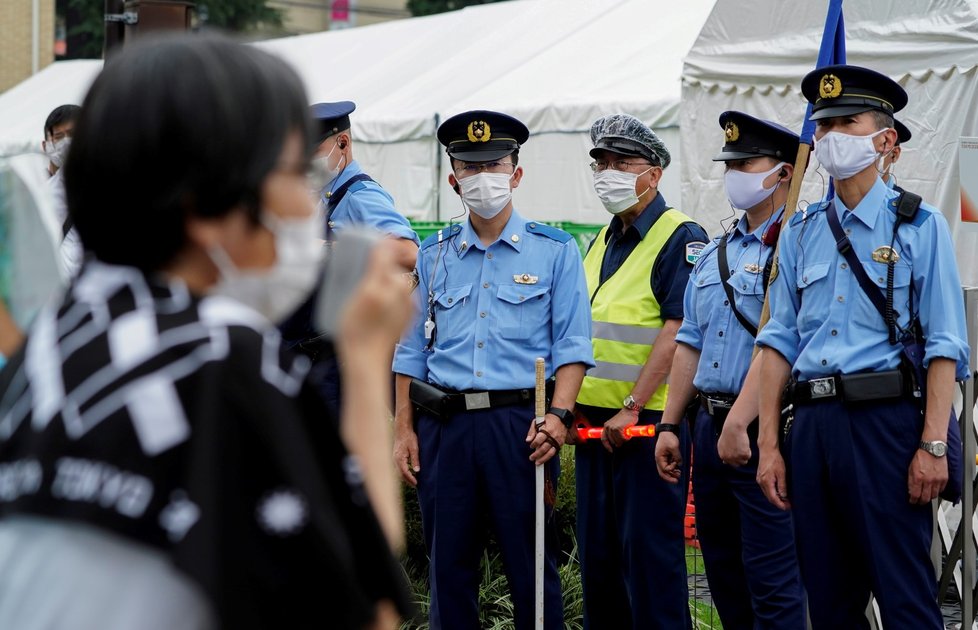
[(748, 290), (449, 314), (523, 308), (815, 294), (710, 296), (866, 314)]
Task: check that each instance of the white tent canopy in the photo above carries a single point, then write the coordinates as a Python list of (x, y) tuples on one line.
[(556, 64), (752, 56)]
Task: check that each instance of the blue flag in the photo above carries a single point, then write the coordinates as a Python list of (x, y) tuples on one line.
[(832, 51)]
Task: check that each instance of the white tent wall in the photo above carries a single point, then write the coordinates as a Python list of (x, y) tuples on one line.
[(558, 65), (752, 56)]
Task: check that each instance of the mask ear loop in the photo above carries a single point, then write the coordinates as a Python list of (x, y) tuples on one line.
[(879, 160), (639, 175)]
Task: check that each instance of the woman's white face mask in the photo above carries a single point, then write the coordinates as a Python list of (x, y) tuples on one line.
[(843, 156), (275, 291), (746, 190)]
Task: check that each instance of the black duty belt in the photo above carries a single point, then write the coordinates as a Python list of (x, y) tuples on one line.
[(446, 403), (861, 387), (717, 403)]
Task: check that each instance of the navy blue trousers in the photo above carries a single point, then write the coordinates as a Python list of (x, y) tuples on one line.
[(476, 475), (856, 530), (748, 544), (630, 535)]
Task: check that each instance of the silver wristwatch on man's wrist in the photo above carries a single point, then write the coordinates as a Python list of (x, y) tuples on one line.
[(937, 448), (630, 404)]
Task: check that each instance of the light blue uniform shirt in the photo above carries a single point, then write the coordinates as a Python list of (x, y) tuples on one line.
[(498, 308), (822, 322), (367, 203), (709, 324)]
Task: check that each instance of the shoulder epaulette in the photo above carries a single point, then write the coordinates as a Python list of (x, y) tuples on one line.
[(550, 232), (360, 185), (812, 209), (906, 207), (442, 234)]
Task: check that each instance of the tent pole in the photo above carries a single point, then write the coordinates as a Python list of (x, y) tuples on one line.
[(438, 159)]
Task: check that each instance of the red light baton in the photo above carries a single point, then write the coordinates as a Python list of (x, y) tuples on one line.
[(585, 432)]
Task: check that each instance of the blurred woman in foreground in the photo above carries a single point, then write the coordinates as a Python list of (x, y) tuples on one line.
[(163, 463)]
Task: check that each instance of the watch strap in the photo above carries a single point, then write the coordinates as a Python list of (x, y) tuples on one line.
[(665, 427), (566, 415)]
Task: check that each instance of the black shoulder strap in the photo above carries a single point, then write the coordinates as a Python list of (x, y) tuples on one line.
[(844, 246), (724, 277), (336, 197)]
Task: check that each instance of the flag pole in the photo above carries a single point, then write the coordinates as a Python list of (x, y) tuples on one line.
[(831, 51)]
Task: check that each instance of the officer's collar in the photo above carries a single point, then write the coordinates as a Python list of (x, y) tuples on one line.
[(644, 222), (868, 209), (513, 235), (758, 233), (348, 172)]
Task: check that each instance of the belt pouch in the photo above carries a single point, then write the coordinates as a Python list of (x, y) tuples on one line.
[(428, 398), (872, 386)]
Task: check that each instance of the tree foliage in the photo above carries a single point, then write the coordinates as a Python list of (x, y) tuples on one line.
[(430, 7), (86, 27)]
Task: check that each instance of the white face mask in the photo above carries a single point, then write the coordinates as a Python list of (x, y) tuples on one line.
[(486, 194), (616, 189), (746, 190), (843, 155), (57, 151), (276, 291), (320, 173)]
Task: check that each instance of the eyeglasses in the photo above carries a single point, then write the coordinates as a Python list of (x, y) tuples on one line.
[(489, 167), (618, 165)]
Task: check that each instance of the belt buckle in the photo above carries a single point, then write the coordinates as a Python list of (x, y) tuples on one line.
[(822, 387), (713, 404), (479, 400), (709, 405)]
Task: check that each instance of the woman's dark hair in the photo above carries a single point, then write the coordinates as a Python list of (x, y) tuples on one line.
[(176, 127)]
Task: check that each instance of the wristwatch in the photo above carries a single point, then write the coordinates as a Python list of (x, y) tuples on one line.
[(630, 404), (566, 415), (936, 448), (664, 427)]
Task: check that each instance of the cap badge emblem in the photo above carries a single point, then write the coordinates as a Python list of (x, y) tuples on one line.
[(830, 86), (479, 131), (731, 132)]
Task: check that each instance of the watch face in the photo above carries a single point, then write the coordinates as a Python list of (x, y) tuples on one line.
[(939, 449)]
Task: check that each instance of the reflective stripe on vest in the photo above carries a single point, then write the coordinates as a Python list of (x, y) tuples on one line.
[(625, 317)]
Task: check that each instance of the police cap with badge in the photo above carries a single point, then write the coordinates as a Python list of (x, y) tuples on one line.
[(627, 135), (844, 90), (481, 136), (330, 119), (748, 137)]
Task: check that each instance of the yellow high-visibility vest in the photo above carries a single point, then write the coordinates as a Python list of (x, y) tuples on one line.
[(626, 317)]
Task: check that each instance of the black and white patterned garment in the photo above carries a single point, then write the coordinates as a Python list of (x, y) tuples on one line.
[(180, 423)]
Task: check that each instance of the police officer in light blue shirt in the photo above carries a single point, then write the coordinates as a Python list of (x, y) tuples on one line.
[(348, 198), (348, 195), (748, 545), (494, 293), (869, 445)]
